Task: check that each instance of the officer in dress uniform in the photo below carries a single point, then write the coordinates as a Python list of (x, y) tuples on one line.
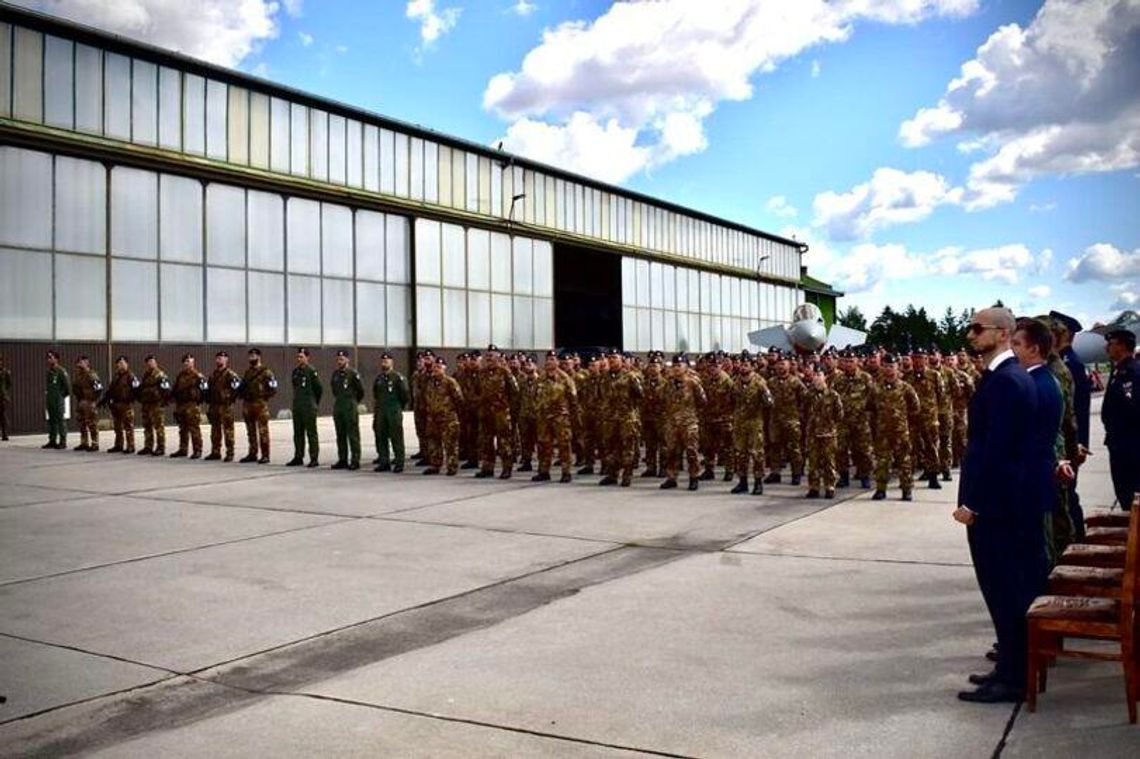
[(1121, 416)]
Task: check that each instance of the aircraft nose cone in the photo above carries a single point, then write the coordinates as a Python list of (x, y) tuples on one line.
[(808, 335)]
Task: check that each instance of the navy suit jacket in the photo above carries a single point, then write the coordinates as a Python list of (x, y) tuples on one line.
[(1082, 393), (1042, 463), (994, 469)]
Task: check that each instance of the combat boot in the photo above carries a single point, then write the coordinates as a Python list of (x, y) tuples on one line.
[(649, 472), (564, 478), (668, 484), (741, 487), (229, 456), (540, 477), (355, 465), (708, 474), (813, 493), (196, 455), (829, 494), (758, 487), (609, 479), (844, 480), (115, 449), (483, 474), (179, 454), (431, 470), (796, 479), (382, 468), (625, 482), (946, 475), (526, 467), (933, 482), (728, 475), (693, 485), (250, 458), (880, 495), (505, 474), (397, 469), (865, 483), (145, 452), (263, 460), (906, 496), (586, 470), (295, 461), (80, 447), (772, 479), (214, 456), (159, 452), (340, 465), (469, 465), (313, 464)]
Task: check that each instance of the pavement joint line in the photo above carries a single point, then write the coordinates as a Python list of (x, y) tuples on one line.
[(449, 501), (108, 694), (80, 496), (503, 530), (1000, 747), (913, 562), (78, 649), (278, 509), (264, 476)]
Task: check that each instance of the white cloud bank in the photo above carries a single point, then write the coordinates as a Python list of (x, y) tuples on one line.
[(434, 23), (889, 198), (1103, 262)]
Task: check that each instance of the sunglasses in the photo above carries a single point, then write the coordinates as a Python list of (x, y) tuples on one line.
[(977, 329)]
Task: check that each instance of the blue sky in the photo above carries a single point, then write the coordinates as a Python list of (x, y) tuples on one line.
[(936, 152)]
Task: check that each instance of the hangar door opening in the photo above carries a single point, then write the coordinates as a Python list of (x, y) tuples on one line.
[(587, 297)]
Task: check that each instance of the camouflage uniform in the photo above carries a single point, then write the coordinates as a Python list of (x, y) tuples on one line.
[(419, 406), (528, 418), (154, 392), (442, 401), (189, 390), (87, 389), (949, 379), (497, 391), (555, 403), (823, 412), (896, 403), (258, 385), (927, 385), (120, 396), (752, 403), (589, 425), (716, 429), (788, 397), (1062, 530), (962, 391), (221, 392), (684, 398), (620, 395), (468, 379), (652, 422), (854, 440)]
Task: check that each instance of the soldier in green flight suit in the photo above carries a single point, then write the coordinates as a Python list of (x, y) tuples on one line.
[(58, 388), (391, 395), (307, 391), (348, 392)]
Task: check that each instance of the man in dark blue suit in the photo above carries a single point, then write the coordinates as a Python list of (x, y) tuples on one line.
[(1004, 523), (1121, 416), (1065, 327)]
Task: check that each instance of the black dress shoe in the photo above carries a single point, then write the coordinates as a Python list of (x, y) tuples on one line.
[(982, 679), (693, 483), (564, 478), (609, 479), (294, 462), (668, 484), (541, 477), (880, 495), (382, 468), (993, 692)]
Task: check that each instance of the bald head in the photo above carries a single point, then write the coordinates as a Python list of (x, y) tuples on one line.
[(990, 331), (1002, 318)]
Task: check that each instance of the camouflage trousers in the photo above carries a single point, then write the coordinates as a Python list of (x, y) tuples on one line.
[(256, 416), (854, 446), (958, 438), (221, 427), (88, 418), (786, 445), (123, 419), (716, 442), (442, 438), (945, 438), (821, 462), (189, 419), (652, 436), (924, 444), (618, 447), (748, 447), (552, 431), (528, 438), (892, 450), (682, 440), (587, 438), (469, 434), (419, 420), (495, 436), (154, 427), (4, 403)]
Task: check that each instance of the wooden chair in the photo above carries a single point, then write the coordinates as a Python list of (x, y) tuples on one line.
[(1107, 519), (1053, 618), (1106, 536)]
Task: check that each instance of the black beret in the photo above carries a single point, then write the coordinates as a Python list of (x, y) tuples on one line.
[(680, 358), (186, 356), (492, 348), (385, 354), (53, 354), (342, 352), (255, 351), (303, 351), (655, 359), (890, 359), (552, 354), (441, 360), (148, 357), (613, 352), (121, 358), (82, 358), (221, 353)]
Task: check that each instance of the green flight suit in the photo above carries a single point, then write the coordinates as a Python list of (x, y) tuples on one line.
[(307, 391), (58, 388), (348, 391), (390, 393)]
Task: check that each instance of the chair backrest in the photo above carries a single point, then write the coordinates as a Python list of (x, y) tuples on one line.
[(1131, 588)]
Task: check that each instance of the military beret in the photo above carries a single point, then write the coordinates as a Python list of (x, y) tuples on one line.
[(149, 357), (890, 359), (1069, 322), (441, 360), (552, 354), (847, 353), (745, 355), (474, 354), (303, 351), (918, 352), (342, 352), (680, 358), (492, 348), (221, 353), (81, 358), (255, 351), (385, 354), (123, 358), (655, 359), (613, 352), (186, 356), (429, 354)]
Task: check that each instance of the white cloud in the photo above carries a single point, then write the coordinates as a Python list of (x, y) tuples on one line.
[(1042, 207), (815, 69), (1126, 300), (219, 31), (293, 7), (1044, 259), (1103, 261), (1058, 97), (607, 151), (890, 197), (778, 205), (1040, 291), (342, 49), (659, 69), (1004, 263), (433, 23), (306, 39), (523, 8)]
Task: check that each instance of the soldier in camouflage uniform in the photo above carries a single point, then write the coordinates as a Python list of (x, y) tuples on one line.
[(55, 393), (652, 413), (120, 397), (390, 395), (556, 403), (87, 389), (927, 384), (514, 364), (945, 412), (348, 392), (855, 388), (497, 392), (962, 391), (258, 386), (589, 397), (528, 413), (307, 392), (684, 399), (752, 403), (896, 404), (221, 392), (716, 429), (189, 390), (823, 413), (443, 400), (621, 397), (5, 397), (467, 375), (788, 393), (154, 393), (425, 360)]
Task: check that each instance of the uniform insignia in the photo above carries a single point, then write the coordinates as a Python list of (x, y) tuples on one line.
[(97, 386), (235, 383), (272, 383), (135, 383)]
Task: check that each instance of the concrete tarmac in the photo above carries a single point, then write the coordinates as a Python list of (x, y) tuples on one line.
[(156, 607)]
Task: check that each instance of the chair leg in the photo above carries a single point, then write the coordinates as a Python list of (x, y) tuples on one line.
[(1128, 659)]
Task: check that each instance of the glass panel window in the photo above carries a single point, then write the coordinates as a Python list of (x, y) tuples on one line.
[(25, 294), (429, 317), (339, 310), (58, 80), (354, 147), (496, 189), (668, 287), (484, 194), (144, 103), (170, 108), (225, 226), (237, 125), (304, 310), (416, 169), (656, 285), (454, 318), (682, 333), (472, 177), (299, 139), (27, 75), (670, 339), (399, 315), (5, 69), (431, 172), (266, 307), (428, 245), (543, 268), (501, 320), (134, 213), (181, 302), (336, 240), (25, 198), (279, 151), (88, 89), (682, 289), (642, 269), (629, 328), (136, 317), (454, 256), (397, 254), (337, 151), (371, 158), (478, 319), (628, 281), (387, 162), (458, 179), (543, 323), (117, 86), (369, 231), (225, 305), (400, 158), (81, 298), (319, 144), (371, 314), (522, 255), (193, 113), (259, 130), (479, 261), (304, 236), (80, 206), (216, 120), (500, 263), (180, 217), (266, 230), (522, 323)]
